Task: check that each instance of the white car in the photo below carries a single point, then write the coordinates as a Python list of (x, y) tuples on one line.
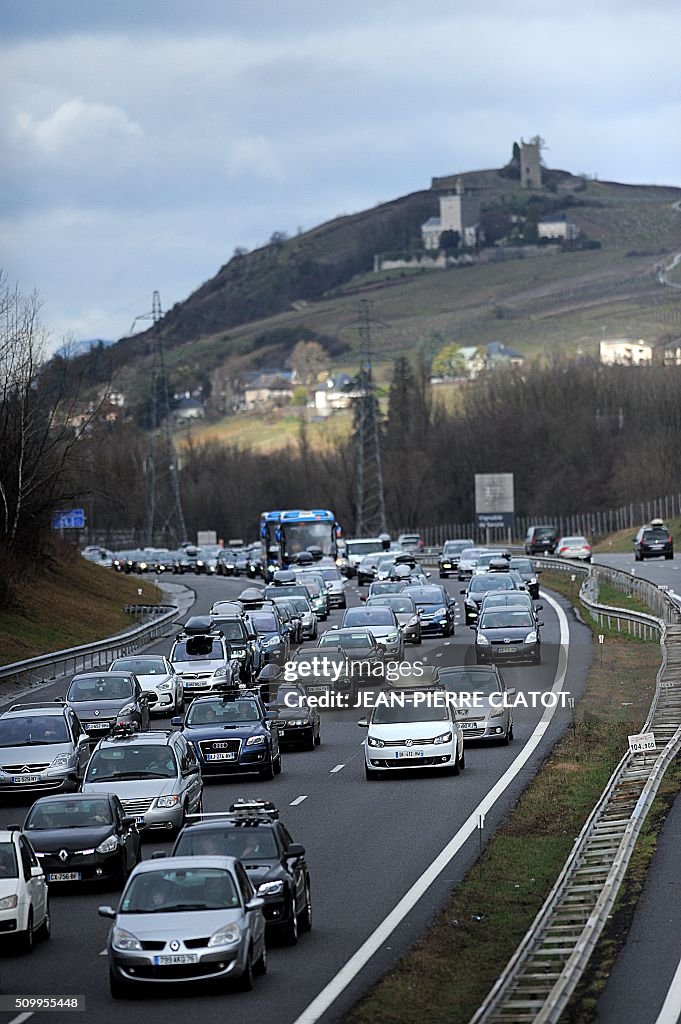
[(24, 901), (573, 547), (406, 731), (160, 682)]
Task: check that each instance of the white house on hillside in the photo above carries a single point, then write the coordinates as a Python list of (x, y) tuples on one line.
[(557, 226), (460, 212), (625, 352)]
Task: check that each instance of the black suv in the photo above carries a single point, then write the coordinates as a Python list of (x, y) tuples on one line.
[(275, 865), (540, 540), (653, 541)]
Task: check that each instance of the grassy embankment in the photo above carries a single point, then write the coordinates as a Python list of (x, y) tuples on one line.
[(622, 542), (456, 962), (71, 602)]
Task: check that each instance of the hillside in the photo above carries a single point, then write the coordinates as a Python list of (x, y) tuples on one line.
[(259, 304)]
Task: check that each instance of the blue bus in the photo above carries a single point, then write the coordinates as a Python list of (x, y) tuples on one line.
[(285, 533)]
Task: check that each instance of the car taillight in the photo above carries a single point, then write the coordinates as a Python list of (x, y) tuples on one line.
[(564, 549)]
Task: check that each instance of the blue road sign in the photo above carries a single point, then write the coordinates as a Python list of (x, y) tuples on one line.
[(72, 520)]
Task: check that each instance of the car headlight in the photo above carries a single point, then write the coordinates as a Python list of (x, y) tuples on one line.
[(227, 936), (8, 903), (445, 737), (164, 686), (254, 741), (239, 654), (446, 565), (124, 940), (108, 846), (498, 713), (61, 760), (481, 640), (199, 563), (439, 613), (298, 721), (129, 709), (392, 638), (167, 801), (532, 581), (531, 637), (272, 641), (374, 741), (220, 673), (414, 621), (271, 888), (142, 566)]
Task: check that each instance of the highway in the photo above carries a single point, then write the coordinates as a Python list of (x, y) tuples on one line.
[(367, 843)]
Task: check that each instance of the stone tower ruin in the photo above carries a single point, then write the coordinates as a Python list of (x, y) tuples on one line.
[(530, 164)]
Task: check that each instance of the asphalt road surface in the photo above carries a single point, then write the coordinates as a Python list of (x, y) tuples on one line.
[(367, 845)]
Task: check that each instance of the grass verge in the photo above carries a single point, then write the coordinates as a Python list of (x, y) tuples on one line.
[(622, 542), (71, 602), (456, 962)]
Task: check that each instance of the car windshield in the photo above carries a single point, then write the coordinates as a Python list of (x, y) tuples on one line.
[(264, 622), (331, 575), (406, 709), (100, 688), (522, 565), (198, 648), (426, 595), (460, 681), (470, 554), (369, 617), (8, 861), (231, 630), (180, 889), (336, 638), (506, 618), (453, 547), (386, 588), (398, 604), (141, 666), (480, 584), (223, 712), (145, 761), (51, 814), (290, 697), (364, 547), (301, 604), (33, 730), (228, 841)]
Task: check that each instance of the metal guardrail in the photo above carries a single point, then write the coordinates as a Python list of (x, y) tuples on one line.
[(540, 978), (34, 671)]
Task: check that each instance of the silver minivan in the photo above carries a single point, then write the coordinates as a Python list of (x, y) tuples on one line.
[(154, 774)]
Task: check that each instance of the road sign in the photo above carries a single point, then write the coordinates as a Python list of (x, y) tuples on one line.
[(642, 742), (494, 505), (71, 520)]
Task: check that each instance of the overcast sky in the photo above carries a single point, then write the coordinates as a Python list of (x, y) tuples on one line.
[(143, 140)]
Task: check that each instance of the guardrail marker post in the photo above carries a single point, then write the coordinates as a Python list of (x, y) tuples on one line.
[(481, 825), (571, 705), (601, 641)]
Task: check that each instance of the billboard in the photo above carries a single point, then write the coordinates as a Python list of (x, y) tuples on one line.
[(494, 505)]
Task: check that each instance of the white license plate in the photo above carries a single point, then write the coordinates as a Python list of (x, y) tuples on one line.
[(408, 753), (193, 684), (19, 780), (96, 725), (139, 820), (468, 725), (321, 688), (176, 958), (64, 876), (504, 650), (220, 757)]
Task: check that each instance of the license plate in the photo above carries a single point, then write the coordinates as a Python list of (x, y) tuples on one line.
[(19, 780), (220, 757), (504, 650), (193, 684), (176, 958), (318, 689), (139, 820), (468, 725), (408, 753), (64, 876), (96, 725)]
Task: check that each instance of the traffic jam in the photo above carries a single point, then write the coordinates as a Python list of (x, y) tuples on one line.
[(184, 806)]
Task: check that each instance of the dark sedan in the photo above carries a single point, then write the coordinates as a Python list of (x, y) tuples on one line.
[(481, 585), (103, 699), (528, 574), (83, 838), (507, 634), (436, 609), (448, 560), (298, 721)]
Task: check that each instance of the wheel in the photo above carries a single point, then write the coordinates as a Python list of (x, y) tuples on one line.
[(291, 929), (305, 923), (510, 732), (43, 932), (370, 773), (506, 739), (318, 737), (25, 939), (277, 765), (244, 983), (537, 660), (267, 774), (260, 965), (462, 759), (310, 744), (668, 557), (179, 703), (119, 989)]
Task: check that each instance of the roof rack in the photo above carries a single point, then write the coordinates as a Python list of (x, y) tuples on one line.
[(122, 730), (45, 705), (255, 809)]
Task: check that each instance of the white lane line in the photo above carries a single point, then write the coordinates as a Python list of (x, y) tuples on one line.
[(349, 972), (298, 800), (671, 1008), (338, 768), (21, 1018), (103, 952)]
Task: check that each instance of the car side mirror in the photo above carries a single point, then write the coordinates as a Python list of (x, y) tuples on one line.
[(462, 591), (362, 597), (271, 715), (177, 723), (128, 821), (295, 850), (539, 623), (363, 723), (538, 607), (473, 627), (106, 912), (511, 692), (256, 903), (158, 854), (36, 871)]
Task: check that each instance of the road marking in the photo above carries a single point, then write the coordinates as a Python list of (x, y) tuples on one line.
[(669, 1014), (378, 937), (21, 1018), (338, 768), (298, 800), (102, 953)]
